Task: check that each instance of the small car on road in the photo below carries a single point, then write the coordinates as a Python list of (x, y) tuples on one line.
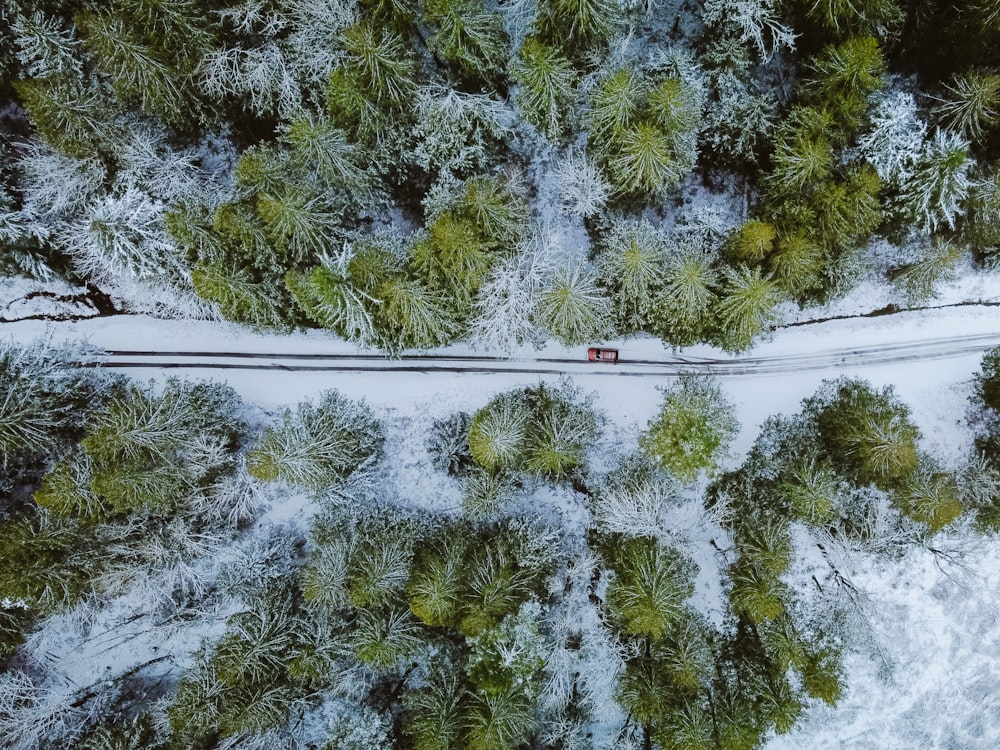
[(594, 354)]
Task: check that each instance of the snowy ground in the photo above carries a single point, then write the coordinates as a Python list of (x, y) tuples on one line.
[(939, 624)]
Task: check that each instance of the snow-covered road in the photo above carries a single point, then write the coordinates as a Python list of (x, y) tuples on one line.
[(817, 359)]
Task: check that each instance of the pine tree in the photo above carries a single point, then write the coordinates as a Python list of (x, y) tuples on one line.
[(683, 309), (867, 432), (487, 495), (436, 581), (616, 104), (572, 308), (935, 265), (843, 17), (324, 576), (803, 154), (458, 134), (143, 65), (583, 22), (71, 118), (545, 79), (651, 584), (412, 316), (894, 141), (498, 432), (845, 75), (693, 429), (379, 566), (765, 543), (331, 301), (434, 712), (559, 437), (499, 214), (317, 446), (971, 104), (811, 491), (752, 243), (756, 594), (848, 211), (746, 307), (757, 22), (645, 161), (496, 585), (583, 189), (503, 312), (508, 657), (498, 722), (631, 267), (44, 400), (384, 640), (636, 500), (940, 184), (239, 297), (325, 153), (797, 264), (45, 46), (932, 497), (465, 32)]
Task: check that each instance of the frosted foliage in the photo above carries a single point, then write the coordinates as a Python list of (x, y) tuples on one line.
[(150, 165), (236, 498), (348, 310), (518, 18), (757, 22), (894, 142), (44, 47), (454, 130), (582, 187), (366, 730), (55, 185), (122, 237), (32, 717), (502, 314), (638, 506), (259, 76), (274, 75), (739, 120), (584, 677)]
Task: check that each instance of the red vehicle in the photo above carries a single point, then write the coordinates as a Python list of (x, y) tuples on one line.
[(602, 355)]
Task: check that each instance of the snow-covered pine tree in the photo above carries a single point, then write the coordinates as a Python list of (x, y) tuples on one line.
[(458, 134), (939, 186), (412, 315), (932, 498), (437, 579), (682, 315), (433, 712), (893, 142), (384, 639), (868, 433), (467, 33), (631, 267), (498, 433), (971, 104), (692, 430), (572, 308), (318, 446), (502, 316), (935, 265), (545, 81), (651, 585), (746, 307), (583, 189)]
